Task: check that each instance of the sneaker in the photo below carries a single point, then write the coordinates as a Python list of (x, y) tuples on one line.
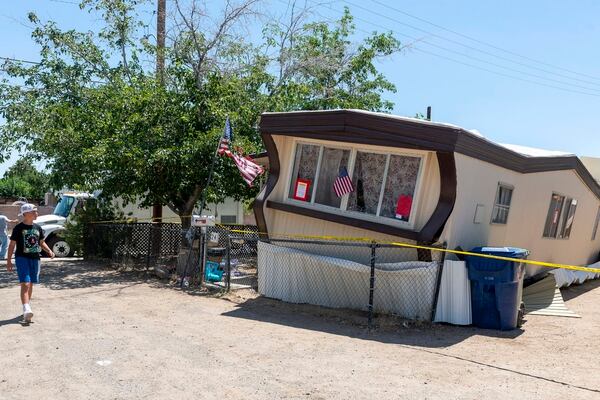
[(28, 315)]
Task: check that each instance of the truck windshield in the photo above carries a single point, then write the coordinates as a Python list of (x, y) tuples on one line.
[(64, 206)]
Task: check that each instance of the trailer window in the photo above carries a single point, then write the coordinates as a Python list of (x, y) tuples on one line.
[(561, 214), (371, 185), (502, 204)]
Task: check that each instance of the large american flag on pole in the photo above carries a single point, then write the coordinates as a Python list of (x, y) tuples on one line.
[(343, 184), (246, 165), (248, 168), (226, 139)]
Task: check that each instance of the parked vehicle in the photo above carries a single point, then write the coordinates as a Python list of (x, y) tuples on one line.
[(53, 224)]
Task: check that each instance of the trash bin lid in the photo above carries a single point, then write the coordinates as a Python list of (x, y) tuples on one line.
[(215, 251), (512, 252)]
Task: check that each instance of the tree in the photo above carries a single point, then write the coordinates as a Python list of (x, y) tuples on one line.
[(24, 180), (102, 120)]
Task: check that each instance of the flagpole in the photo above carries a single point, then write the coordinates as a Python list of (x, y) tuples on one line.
[(202, 204), (210, 174)]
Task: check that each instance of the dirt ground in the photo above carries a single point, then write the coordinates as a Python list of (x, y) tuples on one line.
[(101, 334)]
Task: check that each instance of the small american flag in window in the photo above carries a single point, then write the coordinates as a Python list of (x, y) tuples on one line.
[(343, 184)]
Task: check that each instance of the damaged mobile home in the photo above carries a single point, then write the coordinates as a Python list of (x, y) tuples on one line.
[(423, 182)]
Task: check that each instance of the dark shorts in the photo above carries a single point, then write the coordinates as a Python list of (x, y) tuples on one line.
[(28, 269)]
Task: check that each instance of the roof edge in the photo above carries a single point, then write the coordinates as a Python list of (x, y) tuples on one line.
[(366, 127)]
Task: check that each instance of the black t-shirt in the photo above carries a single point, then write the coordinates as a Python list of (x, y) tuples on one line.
[(28, 238)]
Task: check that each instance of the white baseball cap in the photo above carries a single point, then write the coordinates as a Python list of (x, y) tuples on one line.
[(27, 207)]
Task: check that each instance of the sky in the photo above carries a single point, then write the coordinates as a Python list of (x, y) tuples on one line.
[(519, 72)]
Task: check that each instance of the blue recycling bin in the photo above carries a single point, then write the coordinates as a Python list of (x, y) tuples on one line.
[(496, 287)]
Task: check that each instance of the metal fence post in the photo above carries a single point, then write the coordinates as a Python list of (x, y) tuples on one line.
[(228, 262), (372, 284), (438, 283), (114, 245), (86, 235), (149, 249), (202, 253)]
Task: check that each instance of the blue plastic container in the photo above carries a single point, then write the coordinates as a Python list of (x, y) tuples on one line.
[(496, 287), (212, 272)]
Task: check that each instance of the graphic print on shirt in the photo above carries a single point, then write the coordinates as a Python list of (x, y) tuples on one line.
[(31, 241)]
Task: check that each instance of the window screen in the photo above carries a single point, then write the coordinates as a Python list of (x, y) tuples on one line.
[(502, 204), (568, 217), (552, 219)]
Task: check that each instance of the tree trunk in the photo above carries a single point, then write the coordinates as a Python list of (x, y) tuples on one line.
[(186, 221)]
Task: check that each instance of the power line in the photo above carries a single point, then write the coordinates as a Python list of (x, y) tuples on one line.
[(464, 45), (65, 2), (481, 41), (482, 60), (474, 66), (506, 75), (19, 60)]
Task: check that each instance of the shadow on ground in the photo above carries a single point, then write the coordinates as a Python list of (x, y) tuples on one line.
[(18, 320), (353, 324), (78, 274), (75, 274), (573, 291)]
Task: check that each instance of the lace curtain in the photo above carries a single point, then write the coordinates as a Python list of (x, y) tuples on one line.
[(401, 181), (367, 180), (331, 162), (305, 167)]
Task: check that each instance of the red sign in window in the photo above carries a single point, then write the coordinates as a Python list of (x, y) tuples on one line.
[(301, 189)]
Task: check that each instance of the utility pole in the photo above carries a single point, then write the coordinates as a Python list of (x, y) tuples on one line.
[(160, 39), (160, 73)]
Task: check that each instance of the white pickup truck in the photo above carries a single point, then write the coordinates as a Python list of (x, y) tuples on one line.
[(53, 224)]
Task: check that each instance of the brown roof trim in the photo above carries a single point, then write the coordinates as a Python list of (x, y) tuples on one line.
[(433, 228), (259, 203), (353, 126)]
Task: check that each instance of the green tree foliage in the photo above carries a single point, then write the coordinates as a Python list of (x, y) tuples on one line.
[(24, 180), (102, 119), (82, 222)]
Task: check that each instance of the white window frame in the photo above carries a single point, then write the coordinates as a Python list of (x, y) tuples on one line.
[(506, 186), (566, 207), (596, 223), (354, 149), (568, 200)]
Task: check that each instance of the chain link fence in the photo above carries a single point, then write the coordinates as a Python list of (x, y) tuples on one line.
[(380, 279), (375, 278)]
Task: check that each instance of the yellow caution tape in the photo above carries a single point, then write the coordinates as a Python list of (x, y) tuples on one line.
[(399, 244), (465, 253)]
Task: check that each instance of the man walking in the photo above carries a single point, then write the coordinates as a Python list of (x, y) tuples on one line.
[(4, 220), (29, 239)]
